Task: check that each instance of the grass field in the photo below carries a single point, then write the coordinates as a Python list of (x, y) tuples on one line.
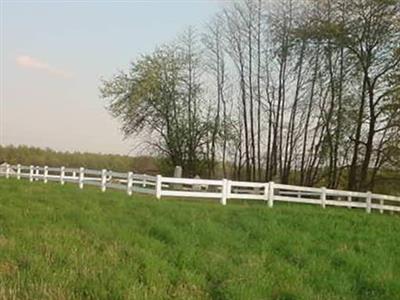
[(59, 242)]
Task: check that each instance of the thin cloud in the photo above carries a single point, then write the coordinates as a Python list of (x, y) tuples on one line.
[(26, 61)]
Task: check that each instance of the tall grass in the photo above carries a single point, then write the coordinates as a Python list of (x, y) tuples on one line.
[(59, 242)]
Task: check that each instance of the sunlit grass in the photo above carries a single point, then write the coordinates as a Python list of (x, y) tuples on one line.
[(59, 242)]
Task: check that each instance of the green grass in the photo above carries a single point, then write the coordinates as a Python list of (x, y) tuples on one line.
[(59, 242)]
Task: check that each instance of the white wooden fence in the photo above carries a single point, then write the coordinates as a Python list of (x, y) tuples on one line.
[(224, 189)]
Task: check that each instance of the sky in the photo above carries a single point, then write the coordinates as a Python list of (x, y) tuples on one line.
[(53, 55)]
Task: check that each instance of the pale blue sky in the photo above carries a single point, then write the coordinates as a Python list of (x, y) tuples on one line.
[(53, 54)]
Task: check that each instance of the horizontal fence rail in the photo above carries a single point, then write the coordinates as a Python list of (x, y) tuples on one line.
[(222, 190)]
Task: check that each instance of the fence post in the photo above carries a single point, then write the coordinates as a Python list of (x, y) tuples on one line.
[(45, 173), (349, 200), (228, 188), (36, 173), (81, 177), (271, 194), (323, 197), (266, 192), (381, 203), (7, 171), (129, 184), (144, 180), (103, 180), (18, 171), (368, 206), (158, 186), (62, 174), (224, 191), (30, 173)]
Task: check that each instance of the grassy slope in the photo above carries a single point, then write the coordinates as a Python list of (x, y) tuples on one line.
[(61, 242)]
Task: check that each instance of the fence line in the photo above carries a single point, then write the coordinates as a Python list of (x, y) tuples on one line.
[(222, 190)]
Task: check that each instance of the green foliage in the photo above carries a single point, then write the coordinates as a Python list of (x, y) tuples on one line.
[(26, 155), (387, 181), (59, 242), (160, 96)]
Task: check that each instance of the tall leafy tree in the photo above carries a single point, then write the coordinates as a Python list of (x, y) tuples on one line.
[(156, 98)]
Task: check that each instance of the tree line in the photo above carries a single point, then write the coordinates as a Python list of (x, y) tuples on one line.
[(27, 156), (299, 92)]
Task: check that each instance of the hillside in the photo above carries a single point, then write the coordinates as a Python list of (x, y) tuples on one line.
[(59, 242)]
